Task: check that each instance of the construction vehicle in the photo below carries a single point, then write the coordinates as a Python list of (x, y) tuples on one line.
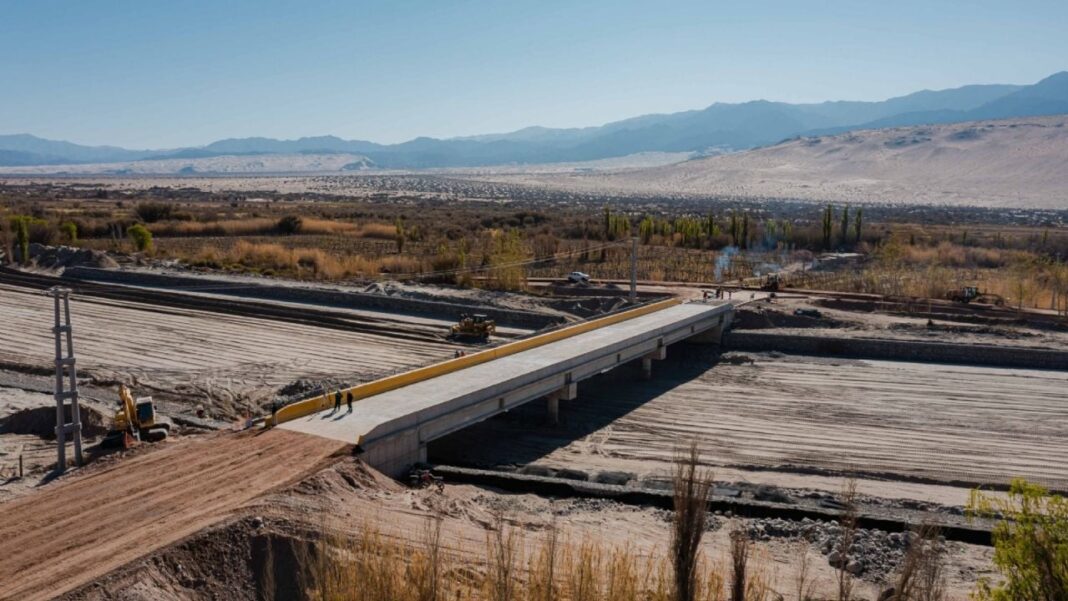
[(135, 421), (970, 294), (771, 283), (423, 478), (473, 327)]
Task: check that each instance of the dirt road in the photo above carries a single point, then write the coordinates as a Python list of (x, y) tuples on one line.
[(73, 532)]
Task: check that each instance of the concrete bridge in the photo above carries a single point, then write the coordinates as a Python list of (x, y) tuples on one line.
[(397, 416)]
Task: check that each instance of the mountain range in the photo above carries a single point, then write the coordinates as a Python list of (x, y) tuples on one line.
[(718, 128)]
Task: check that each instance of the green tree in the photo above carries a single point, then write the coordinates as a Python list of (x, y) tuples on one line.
[(858, 223), (142, 238), (21, 225), (70, 231), (745, 230), (646, 229), (1030, 543), (713, 227), (845, 225), (828, 226)]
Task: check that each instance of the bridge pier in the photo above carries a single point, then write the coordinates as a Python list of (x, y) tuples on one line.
[(567, 393), (647, 361)]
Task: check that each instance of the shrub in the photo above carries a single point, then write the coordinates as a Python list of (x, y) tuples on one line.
[(290, 224), (151, 212), (378, 231), (1030, 543), (69, 230), (142, 238), (40, 231)]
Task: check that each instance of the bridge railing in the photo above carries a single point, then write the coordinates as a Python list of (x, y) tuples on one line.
[(361, 391)]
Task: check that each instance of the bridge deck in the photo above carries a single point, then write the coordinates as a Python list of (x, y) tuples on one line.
[(431, 408)]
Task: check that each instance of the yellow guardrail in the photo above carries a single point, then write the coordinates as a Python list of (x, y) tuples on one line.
[(368, 389)]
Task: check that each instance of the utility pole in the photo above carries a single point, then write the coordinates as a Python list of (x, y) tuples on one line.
[(634, 269), (65, 370)]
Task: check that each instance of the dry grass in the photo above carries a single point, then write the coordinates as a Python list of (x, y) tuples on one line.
[(376, 567), (264, 226), (305, 263), (692, 487), (921, 576), (844, 547)]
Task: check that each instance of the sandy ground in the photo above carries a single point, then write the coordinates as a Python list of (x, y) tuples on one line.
[(79, 529), (226, 362), (345, 499), (808, 419)]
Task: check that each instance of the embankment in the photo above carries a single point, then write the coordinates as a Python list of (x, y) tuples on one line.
[(900, 350), (316, 296)]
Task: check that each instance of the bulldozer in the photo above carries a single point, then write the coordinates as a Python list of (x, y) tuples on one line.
[(135, 421), (473, 327), (970, 294)]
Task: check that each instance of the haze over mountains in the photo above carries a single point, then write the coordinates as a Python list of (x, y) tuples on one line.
[(717, 128)]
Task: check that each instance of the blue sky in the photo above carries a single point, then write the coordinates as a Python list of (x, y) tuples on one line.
[(167, 74)]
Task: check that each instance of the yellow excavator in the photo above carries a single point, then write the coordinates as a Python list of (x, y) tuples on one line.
[(135, 421)]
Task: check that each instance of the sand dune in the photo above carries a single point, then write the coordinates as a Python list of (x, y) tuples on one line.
[(1011, 163)]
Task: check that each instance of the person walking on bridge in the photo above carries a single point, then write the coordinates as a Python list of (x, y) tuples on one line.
[(337, 401), (348, 399)]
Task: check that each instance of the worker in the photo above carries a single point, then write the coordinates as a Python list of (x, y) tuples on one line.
[(348, 399), (337, 401)]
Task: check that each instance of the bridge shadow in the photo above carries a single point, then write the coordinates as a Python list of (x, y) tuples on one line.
[(524, 435)]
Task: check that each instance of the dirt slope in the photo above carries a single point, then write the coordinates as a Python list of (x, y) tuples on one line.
[(1012, 163), (73, 532)]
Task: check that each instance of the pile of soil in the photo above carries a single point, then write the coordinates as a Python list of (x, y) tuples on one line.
[(588, 306), (58, 257), (41, 421)]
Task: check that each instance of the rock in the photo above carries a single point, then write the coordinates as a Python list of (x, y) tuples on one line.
[(537, 470), (55, 257), (257, 522), (726, 491), (831, 504), (887, 594), (615, 478), (855, 567), (570, 474), (772, 494)]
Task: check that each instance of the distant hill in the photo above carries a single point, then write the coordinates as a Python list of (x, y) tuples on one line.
[(222, 164), (1007, 163), (56, 152), (716, 128)]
